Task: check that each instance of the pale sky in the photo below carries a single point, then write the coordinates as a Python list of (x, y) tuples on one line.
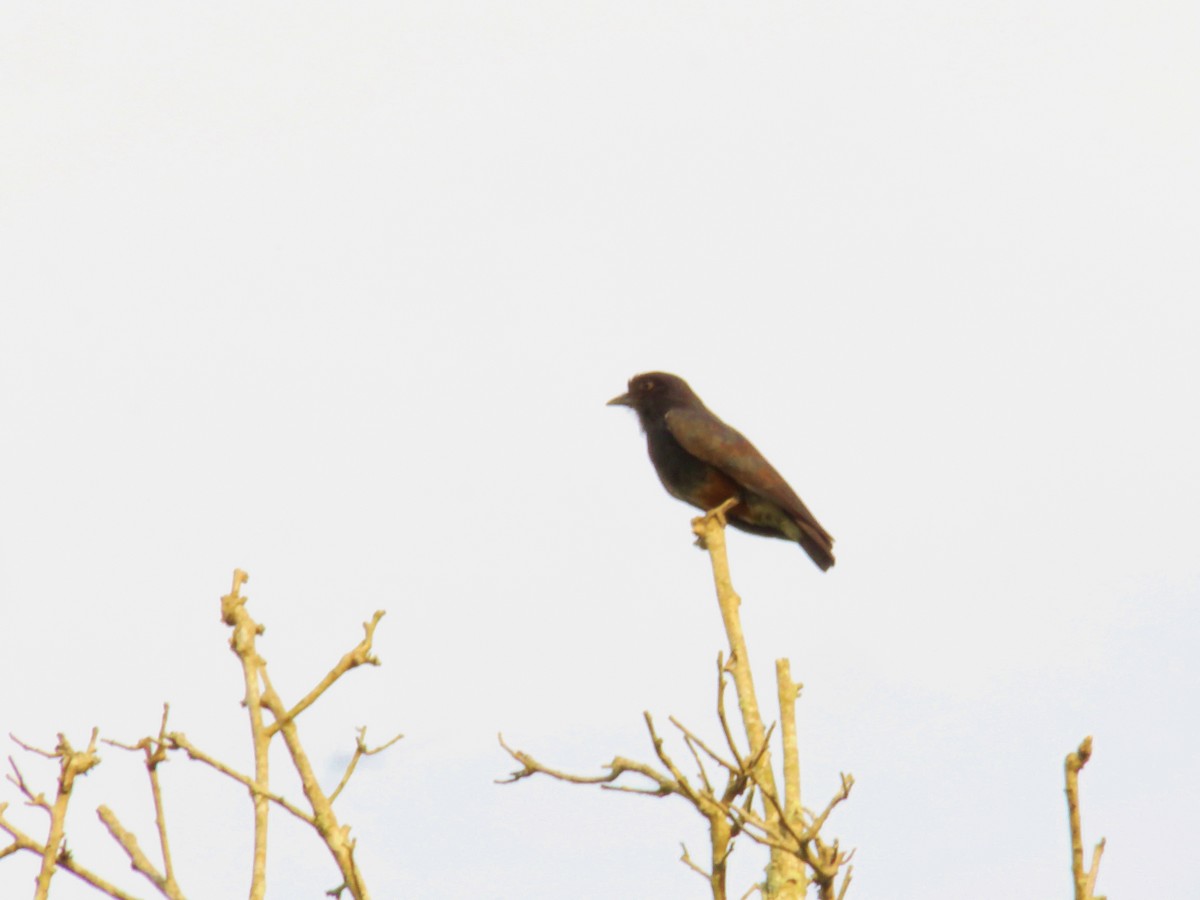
[(336, 294)]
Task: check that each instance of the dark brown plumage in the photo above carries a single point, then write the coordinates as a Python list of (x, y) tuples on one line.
[(704, 462)]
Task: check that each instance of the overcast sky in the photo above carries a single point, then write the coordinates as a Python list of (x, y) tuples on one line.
[(335, 293)]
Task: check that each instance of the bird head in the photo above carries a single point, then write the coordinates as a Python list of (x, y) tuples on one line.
[(653, 394)]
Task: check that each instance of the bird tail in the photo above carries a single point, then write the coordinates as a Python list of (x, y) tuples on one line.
[(820, 551), (817, 544)]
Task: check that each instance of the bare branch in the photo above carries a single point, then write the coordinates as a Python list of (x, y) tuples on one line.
[(1084, 879), (155, 755), (690, 742), (781, 824), (155, 751), (618, 767), (691, 736), (335, 835), (39, 800), (686, 859), (360, 750), (29, 748), (789, 691), (844, 794), (680, 781), (137, 858), (359, 656), (242, 642), (179, 740), (845, 882), (260, 695), (1097, 852), (22, 841), (710, 528), (722, 671), (762, 831), (72, 763), (786, 879)]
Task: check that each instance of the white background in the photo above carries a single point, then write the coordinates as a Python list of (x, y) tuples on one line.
[(336, 293)]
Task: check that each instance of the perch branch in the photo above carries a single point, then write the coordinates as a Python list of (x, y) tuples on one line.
[(786, 879), (781, 825), (710, 528)]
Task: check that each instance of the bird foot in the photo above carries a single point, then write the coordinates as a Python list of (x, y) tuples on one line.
[(716, 514), (719, 512)]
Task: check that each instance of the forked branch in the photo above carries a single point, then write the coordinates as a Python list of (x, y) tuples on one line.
[(259, 697), (792, 836)]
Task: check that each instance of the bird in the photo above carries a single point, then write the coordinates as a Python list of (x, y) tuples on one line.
[(702, 461)]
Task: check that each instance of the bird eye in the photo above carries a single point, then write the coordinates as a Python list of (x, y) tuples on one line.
[(647, 385)]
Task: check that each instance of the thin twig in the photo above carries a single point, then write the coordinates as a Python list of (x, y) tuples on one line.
[(29, 748), (22, 841), (360, 750), (690, 742), (686, 859), (155, 751), (845, 882), (618, 767), (39, 800), (359, 656), (682, 786), (178, 740), (722, 672), (691, 736), (818, 823)]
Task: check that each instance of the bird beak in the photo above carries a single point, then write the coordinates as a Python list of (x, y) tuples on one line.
[(623, 400)]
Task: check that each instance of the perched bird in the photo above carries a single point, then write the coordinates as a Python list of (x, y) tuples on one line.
[(704, 462)]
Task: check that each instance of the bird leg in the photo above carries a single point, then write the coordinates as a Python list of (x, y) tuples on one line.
[(720, 511), (717, 513)]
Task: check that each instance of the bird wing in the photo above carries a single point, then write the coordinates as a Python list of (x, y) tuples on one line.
[(707, 438)]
